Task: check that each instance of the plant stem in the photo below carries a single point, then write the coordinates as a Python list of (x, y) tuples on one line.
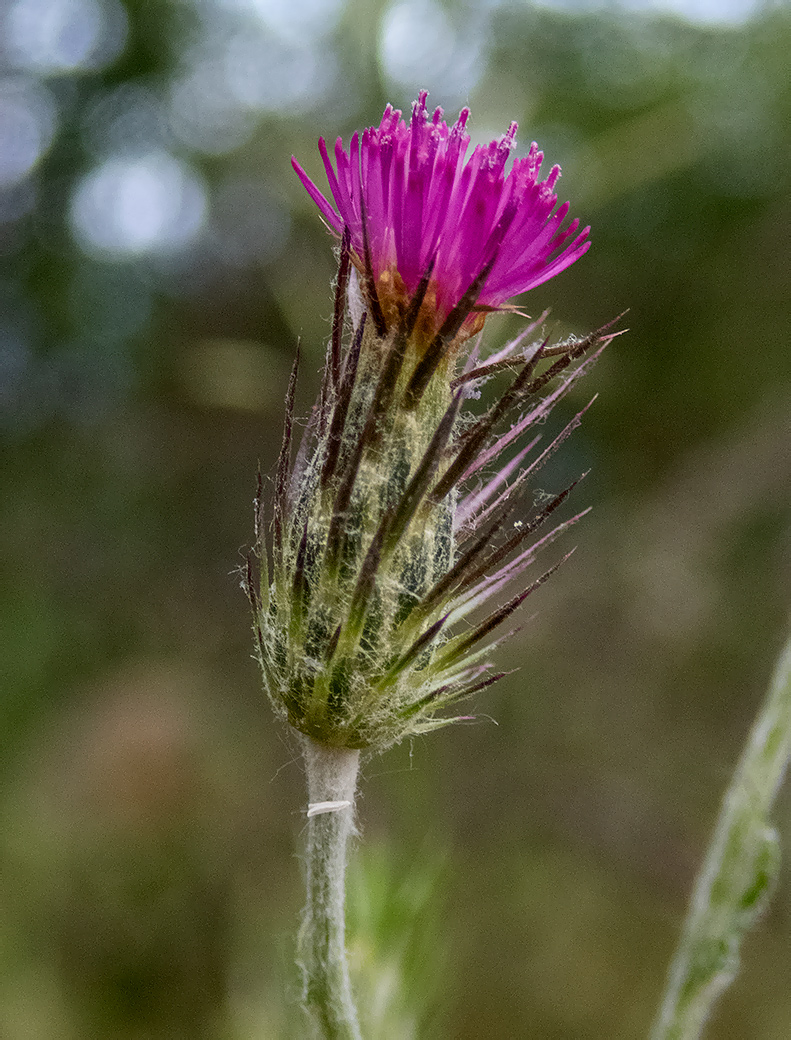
[(737, 876), (327, 994)]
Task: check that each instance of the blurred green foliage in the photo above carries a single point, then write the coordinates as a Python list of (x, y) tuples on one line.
[(158, 261)]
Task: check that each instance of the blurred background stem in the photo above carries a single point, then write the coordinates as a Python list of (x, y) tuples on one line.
[(740, 868)]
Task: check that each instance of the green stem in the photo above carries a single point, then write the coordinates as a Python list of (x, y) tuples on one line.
[(737, 875), (332, 777)]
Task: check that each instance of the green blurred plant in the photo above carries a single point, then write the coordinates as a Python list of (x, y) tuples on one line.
[(396, 950), (738, 873)]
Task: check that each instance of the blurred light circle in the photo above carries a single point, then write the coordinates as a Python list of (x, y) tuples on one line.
[(298, 20), (27, 123), (130, 206), (50, 36), (418, 42), (126, 119), (711, 12), (267, 75), (204, 114), (415, 37)]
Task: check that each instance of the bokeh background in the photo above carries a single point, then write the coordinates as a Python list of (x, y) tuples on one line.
[(523, 876)]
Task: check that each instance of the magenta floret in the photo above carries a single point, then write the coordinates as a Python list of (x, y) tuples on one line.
[(421, 201)]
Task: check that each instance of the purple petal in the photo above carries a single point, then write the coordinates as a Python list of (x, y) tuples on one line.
[(424, 200)]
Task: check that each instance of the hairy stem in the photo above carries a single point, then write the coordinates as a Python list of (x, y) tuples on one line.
[(332, 777), (737, 875)]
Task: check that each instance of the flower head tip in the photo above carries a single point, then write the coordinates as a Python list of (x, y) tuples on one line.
[(414, 203)]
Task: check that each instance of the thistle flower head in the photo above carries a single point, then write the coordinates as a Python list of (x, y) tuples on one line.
[(414, 205), (396, 525)]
